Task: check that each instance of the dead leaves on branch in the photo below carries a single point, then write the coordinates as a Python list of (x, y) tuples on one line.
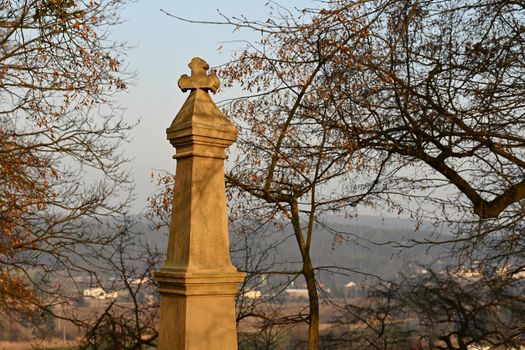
[(395, 80), (58, 73), (51, 49)]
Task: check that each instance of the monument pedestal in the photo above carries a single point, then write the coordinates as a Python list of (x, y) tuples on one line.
[(201, 307)]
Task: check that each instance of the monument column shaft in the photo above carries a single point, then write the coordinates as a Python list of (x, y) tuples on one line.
[(198, 282), (199, 226)]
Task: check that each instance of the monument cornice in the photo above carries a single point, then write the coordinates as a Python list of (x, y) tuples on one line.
[(203, 283)]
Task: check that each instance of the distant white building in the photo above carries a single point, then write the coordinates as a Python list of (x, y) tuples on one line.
[(465, 272), (299, 293), (350, 284), (350, 290), (507, 270), (252, 294), (139, 281), (99, 293)]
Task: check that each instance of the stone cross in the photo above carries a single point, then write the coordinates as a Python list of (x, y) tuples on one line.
[(199, 79), (198, 282)]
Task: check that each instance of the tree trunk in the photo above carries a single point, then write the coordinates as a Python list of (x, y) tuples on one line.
[(313, 299), (309, 275)]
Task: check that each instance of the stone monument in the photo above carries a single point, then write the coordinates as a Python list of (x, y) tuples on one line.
[(198, 282)]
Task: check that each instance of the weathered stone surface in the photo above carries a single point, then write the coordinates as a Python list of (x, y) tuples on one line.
[(198, 282)]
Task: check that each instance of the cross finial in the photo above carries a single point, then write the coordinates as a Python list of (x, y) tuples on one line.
[(199, 79)]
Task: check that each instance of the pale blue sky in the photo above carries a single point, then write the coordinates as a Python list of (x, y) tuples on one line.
[(163, 46)]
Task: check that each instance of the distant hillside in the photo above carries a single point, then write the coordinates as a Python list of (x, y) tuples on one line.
[(367, 245)]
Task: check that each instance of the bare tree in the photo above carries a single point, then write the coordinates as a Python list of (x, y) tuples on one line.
[(61, 170), (441, 85), (376, 320), (294, 168), (130, 321), (442, 309), (381, 102)]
